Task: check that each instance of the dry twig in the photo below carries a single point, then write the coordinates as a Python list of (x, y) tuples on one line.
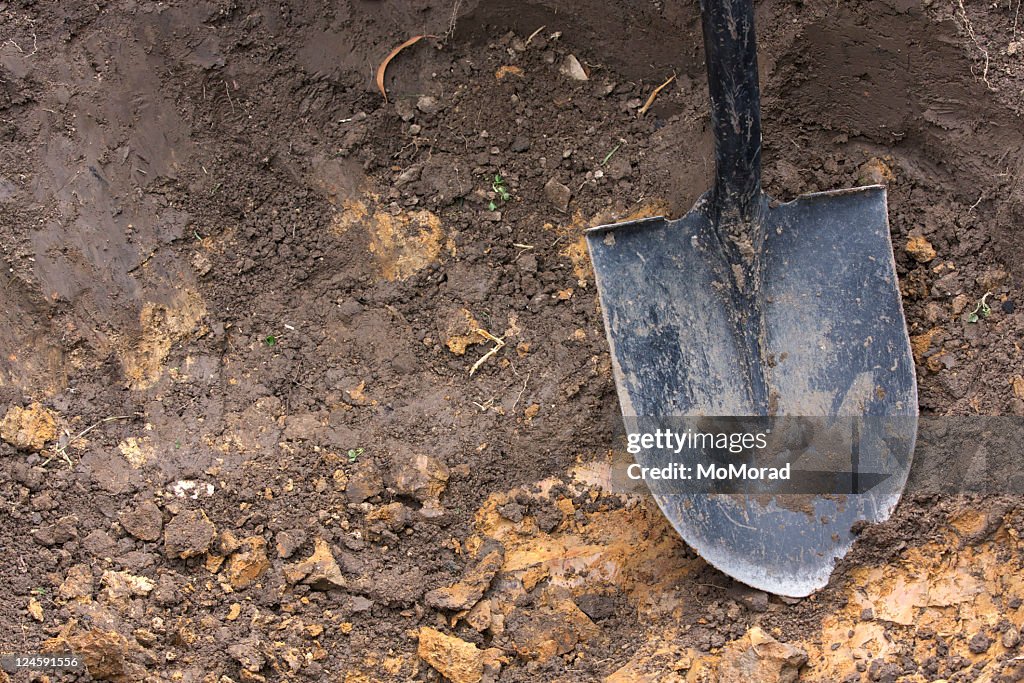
[(654, 95), (60, 448)]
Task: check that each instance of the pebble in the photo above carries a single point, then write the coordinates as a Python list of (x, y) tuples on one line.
[(1011, 638), (558, 194), (289, 541), (405, 110), (572, 68), (428, 105)]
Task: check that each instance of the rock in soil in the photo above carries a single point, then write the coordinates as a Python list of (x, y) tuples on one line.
[(122, 585), (457, 660), (468, 591), (288, 541), (28, 429), (572, 68), (320, 570), (420, 476), (1010, 638), (247, 564), (558, 194), (106, 654), (759, 658)]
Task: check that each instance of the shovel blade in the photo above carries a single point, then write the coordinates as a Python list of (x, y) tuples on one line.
[(821, 335)]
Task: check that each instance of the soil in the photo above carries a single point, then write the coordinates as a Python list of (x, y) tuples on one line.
[(285, 363)]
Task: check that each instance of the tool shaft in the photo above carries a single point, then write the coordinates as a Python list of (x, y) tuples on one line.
[(731, 54)]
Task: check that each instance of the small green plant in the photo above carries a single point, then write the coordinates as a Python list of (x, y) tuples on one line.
[(982, 310), (498, 185), (354, 453), (610, 154), (270, 340), (38, 590)]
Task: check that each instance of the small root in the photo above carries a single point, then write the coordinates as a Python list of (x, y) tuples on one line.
[(961, 12), (499, 344), (60, 448)]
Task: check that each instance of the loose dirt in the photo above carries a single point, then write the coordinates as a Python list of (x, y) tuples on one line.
[(242, 296)]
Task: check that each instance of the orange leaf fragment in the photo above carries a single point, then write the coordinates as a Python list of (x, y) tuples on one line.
[(391, 55)]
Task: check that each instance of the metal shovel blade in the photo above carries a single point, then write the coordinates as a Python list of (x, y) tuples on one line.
[(820, 333)]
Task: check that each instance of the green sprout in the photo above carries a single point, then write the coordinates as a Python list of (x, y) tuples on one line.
[(982, 310), (354, 453), (498, 185), (270, 340), (611, 154)]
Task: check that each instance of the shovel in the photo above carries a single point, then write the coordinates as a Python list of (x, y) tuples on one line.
[(746, 309)]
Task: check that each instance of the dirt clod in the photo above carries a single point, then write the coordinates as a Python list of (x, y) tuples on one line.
[(364, 482), (289, 541), (979, 643), (320, 570), (457, 660), (759, 658), (554, 629), (188, 534), (248, 653), (145, 522), (420, 476), (247, 564), (468, 591), (28, 429), (62, 531), (105, 653), (78, 583), (920, 248)]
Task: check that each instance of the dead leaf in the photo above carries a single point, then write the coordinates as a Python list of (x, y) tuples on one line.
[(391, 55), (507, 70), (358, 395), (1018, 386), (654, 94)]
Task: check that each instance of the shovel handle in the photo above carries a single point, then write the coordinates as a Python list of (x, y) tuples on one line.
[(730, 48)]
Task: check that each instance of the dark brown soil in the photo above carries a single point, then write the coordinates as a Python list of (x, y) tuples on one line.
[(205, 215)]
